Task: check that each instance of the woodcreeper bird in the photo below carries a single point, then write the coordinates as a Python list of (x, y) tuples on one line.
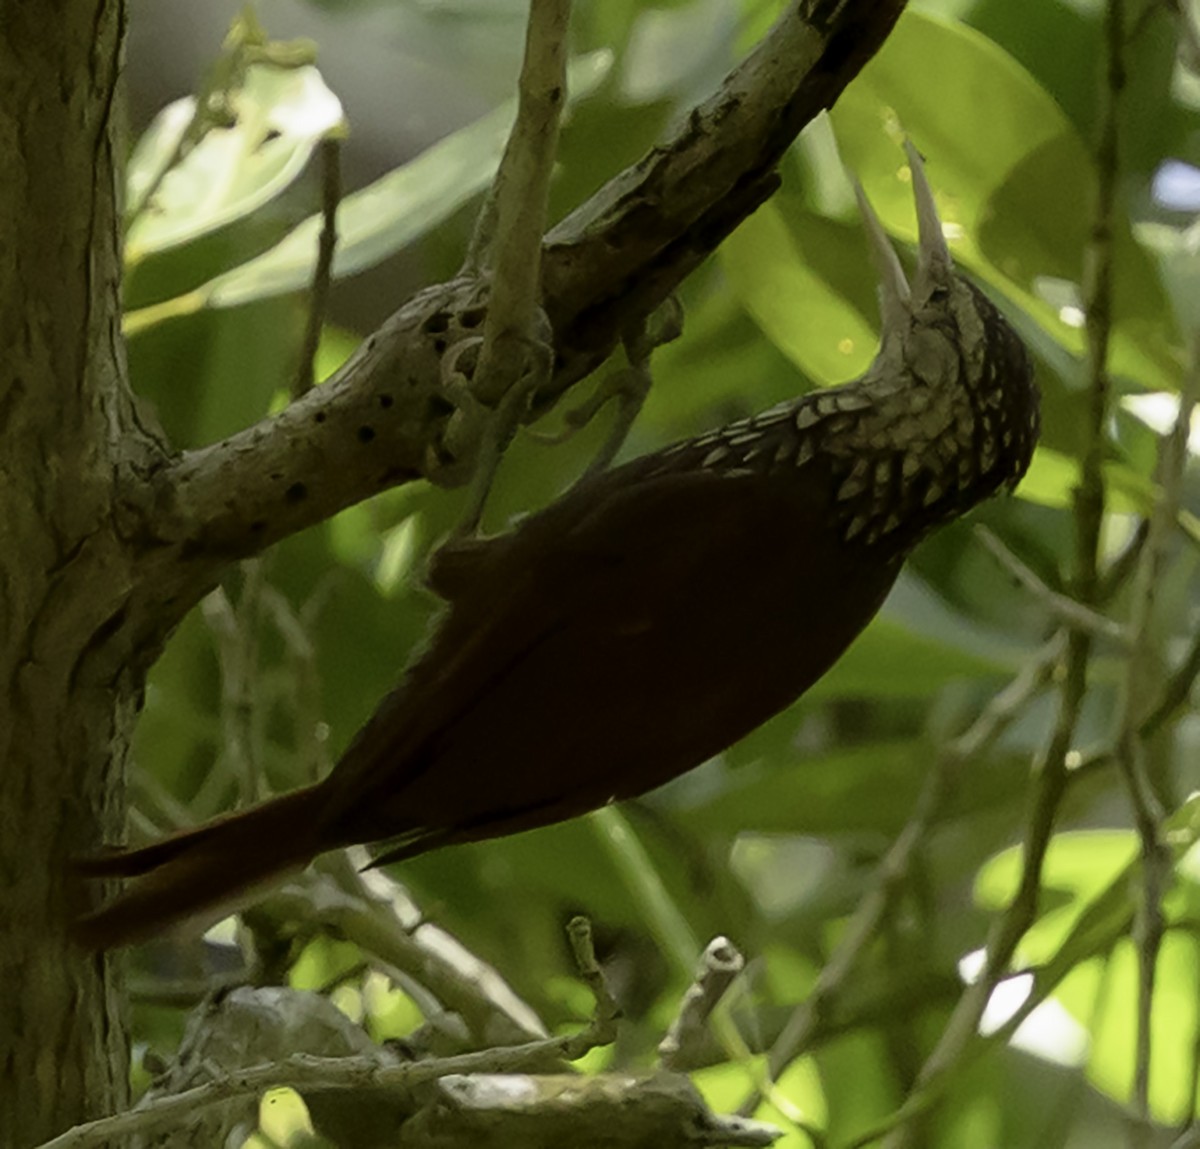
[(654, 614)]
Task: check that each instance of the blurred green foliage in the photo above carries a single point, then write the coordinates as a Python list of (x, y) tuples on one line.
[(775, 842)]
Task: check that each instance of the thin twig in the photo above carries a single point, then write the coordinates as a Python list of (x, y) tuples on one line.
[(1065, 609), (318, 296), (514, 355), (1047, 978), (310, 732), (375, 913), (720, 963), (1147, 808), (1051, 770), (183, 992), (607, 1011), (1175, 693), (1097, 291), (863, 926), (236, 630), (962, 1028), (522, 193), (671, 929), (1121, 568), (306, 1072), (661, 328)]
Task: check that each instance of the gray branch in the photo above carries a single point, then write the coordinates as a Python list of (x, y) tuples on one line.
[(386, 418), (239, 1045), (365, 908), (719, 965)]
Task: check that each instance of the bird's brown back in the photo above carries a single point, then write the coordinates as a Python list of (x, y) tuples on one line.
[(661, 611)]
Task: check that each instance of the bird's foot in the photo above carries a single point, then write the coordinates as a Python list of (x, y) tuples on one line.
[(482, 432), (628, 386)]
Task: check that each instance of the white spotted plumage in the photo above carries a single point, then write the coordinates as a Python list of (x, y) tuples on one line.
[(945, 415)]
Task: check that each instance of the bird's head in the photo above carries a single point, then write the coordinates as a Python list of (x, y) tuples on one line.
[(952, 381)]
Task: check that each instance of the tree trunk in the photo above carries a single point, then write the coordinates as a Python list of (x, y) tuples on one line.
[(68, 692)]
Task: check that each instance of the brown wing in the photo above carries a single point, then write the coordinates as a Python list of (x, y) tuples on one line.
[(619, 640), (200, 869), (457, 566)]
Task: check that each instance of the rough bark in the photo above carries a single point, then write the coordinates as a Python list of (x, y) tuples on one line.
[(68, 689)]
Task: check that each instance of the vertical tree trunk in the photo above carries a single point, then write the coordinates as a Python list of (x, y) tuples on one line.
[(68, 689)]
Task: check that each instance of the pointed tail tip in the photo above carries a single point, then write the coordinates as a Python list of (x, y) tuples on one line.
[(94, 935), (199, 890), (210, 871)]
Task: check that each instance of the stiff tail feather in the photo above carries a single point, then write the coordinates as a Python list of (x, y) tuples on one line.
[(202, 869)]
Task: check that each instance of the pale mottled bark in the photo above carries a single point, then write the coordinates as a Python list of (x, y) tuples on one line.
[(386, 418)]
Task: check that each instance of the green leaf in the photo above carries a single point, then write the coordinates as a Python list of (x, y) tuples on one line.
[(813, 794), (283, 1119), (211, 375), (379, 220), (1081, 862), (1177, 250), (1087, 871), (1053, 477), (680, 51), (805, 316), (1095, 874), (1173, 1027), (799, 1089), (281, 115), (1012, 177)]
